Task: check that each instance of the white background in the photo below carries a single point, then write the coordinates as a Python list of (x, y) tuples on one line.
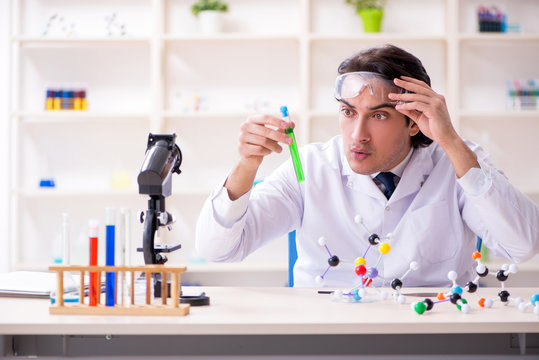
[(461, 78), (4, 137)]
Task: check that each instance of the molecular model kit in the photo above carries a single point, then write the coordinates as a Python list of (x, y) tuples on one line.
[(454, 295), (368, 273)]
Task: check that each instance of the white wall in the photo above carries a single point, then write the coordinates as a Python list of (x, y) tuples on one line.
[(4, 131)]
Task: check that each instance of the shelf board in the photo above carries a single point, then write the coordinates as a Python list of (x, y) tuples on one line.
[(388, 37), (497, 37), (78, 193), (500, 115), (62, 116), (205, 115), (94, 40), (229, 36), (54, 193)]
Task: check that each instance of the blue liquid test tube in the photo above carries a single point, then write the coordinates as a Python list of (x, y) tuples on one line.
[(110, 245), (293, 147)]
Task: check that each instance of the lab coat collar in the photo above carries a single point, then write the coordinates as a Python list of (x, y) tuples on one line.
[(413, 177)]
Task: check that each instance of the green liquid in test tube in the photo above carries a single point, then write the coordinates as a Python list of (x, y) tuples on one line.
[(293, 147)]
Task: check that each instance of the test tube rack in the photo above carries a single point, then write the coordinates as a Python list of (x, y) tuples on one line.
[(81, 308)]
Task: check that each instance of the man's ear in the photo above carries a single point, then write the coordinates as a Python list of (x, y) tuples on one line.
[(413, 129)]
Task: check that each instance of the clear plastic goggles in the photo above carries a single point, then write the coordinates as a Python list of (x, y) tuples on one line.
[(350, 85)]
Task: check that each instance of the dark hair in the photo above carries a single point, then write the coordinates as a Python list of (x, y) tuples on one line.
[(391, 62)]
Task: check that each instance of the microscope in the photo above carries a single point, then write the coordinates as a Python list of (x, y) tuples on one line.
[(163, 158)]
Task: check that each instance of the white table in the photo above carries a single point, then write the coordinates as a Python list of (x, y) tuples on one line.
[(276, 321)]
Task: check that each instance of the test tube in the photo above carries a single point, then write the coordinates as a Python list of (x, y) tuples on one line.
[(94, 287), (293, 147), (124, 237), (110, 244)]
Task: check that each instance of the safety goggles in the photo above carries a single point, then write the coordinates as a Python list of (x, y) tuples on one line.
[(350, 85)]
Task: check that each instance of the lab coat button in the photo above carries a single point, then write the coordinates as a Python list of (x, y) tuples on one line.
[(388, 208)]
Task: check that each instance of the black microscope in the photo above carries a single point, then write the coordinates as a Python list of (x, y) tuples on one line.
[(163, 158)]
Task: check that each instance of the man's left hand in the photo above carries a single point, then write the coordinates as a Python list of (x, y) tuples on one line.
[(429, 111), (426, 108)]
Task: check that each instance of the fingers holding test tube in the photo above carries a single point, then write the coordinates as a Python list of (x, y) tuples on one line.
[(260, 135)]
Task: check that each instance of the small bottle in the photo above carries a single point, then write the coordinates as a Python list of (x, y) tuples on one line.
[(57, 100), (511, 96), (77, 101), (536, 94), (49, 100), (83, 101), (67, 100), (519, 96)]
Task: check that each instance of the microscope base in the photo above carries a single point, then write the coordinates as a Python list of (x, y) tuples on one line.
[(193, 300)]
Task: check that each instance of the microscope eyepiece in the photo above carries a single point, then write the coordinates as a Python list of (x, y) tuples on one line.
[(163, 157)]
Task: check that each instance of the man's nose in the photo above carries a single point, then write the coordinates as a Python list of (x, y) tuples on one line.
[(361, 131)]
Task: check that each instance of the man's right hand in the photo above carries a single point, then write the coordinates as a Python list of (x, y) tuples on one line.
[(260, 135), (258, 139)]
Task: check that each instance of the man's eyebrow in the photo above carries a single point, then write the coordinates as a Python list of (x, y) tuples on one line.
[(381, 106), (347, 103)]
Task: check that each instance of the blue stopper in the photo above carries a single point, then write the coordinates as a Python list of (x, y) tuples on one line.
[(284, 111)]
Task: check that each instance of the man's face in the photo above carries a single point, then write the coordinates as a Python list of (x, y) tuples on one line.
[(376, 136)]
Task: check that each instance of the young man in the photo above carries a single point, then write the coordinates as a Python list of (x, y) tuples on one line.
[(399, 165)]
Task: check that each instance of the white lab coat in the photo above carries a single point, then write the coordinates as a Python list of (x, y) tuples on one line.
[(433, 218)]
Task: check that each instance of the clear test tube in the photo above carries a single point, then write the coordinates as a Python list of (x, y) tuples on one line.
[(124, 237)]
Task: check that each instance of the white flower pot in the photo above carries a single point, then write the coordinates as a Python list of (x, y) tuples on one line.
[(210, 21)]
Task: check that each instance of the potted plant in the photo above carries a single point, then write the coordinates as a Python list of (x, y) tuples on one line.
[(209, 14), (371, 13)]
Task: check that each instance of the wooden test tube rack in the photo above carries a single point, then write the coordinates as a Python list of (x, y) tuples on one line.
[(82, 308)]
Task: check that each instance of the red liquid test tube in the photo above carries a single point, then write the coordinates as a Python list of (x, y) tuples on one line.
[(94, 288)]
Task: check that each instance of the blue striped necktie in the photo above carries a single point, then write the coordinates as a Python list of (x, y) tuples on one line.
[(387, 178)]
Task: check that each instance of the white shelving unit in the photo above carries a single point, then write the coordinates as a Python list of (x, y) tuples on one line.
[(272, 53)]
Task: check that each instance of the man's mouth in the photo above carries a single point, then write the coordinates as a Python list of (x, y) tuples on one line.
[(359, 154)]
